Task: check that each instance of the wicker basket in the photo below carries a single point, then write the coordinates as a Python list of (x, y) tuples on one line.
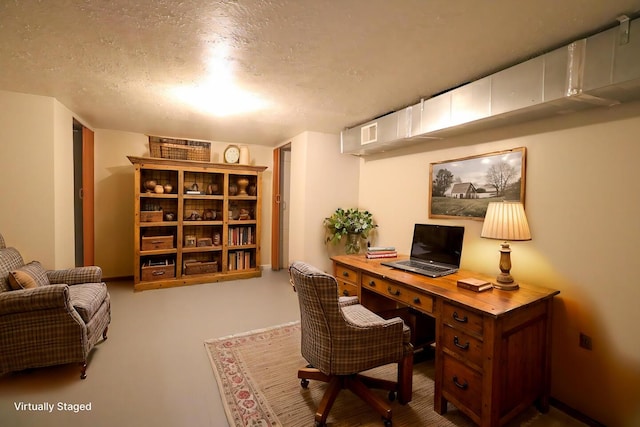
[(179, 149)]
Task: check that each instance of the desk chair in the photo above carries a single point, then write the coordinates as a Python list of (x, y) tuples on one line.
[(341, 338)]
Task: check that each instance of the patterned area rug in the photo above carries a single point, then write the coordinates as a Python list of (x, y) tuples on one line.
[(256, 373)]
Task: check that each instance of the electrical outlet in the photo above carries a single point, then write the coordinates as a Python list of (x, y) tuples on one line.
[(585, 341)]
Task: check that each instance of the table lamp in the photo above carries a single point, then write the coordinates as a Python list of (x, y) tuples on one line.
[(505, 221)]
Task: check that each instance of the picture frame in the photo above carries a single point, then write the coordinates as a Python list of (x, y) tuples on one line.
[(462, 188)]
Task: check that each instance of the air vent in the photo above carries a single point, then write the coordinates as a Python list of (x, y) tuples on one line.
[(369, 133)]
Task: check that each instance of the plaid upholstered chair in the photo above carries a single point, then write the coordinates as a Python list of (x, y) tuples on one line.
[(341, 338), (49, 317)]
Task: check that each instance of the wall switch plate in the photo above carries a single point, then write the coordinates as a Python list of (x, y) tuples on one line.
[(585, 341)]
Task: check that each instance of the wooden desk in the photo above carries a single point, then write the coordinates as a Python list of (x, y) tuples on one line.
[(492, 347)]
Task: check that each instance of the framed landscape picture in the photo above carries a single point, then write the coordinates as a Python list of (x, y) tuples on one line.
[(462, 188)]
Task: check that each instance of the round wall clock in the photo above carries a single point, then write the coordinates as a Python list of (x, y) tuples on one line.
[(232, 154)]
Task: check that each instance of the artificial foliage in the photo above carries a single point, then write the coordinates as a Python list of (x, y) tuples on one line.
[(351, 222)]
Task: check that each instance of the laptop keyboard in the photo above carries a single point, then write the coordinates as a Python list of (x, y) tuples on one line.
[(424, 266)]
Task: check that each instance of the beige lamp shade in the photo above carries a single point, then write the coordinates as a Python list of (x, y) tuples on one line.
[(506, 221)]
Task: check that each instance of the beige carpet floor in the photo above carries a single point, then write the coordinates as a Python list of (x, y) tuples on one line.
[(256, 373)]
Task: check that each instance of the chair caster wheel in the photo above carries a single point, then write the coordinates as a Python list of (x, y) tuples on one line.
[(304, 383), (392, 396), (387, 423), (319, 424)]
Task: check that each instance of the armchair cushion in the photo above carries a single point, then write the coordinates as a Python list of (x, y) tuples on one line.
[(28, 276), (357, 315), (87, 298)]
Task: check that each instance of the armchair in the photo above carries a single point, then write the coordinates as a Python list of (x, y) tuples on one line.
[(57, 320), (341, 338)]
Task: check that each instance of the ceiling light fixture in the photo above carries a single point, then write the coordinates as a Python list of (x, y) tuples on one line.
[(218, 94)]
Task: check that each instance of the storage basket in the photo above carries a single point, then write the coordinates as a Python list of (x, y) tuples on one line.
[(150, 243), (179, 149), (150, 216), (200, 267), (150, 273)]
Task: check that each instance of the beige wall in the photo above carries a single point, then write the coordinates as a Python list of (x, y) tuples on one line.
[(321, 180), (113, 175), (37, 208), (114, 189), (583, 211)]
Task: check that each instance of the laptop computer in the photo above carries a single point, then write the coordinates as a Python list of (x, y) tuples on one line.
[(435, 250)]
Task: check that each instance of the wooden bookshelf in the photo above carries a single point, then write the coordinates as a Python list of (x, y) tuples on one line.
[(206, 214)]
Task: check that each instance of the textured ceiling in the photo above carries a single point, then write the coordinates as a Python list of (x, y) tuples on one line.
[(315, 65)]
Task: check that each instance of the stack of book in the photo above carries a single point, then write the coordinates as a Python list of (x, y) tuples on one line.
[(381, 252)]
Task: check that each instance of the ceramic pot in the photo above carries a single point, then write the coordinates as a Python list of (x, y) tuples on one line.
[(150, 185), (212, 189), (159, 189), (168, 187), (233, 189)]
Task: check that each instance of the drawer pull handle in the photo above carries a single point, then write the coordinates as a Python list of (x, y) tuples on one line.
[(345, 273), (396, 293), (457, 318), (158, 273), (463, 386), (346, 294), (416, 300), (372, 283), (456, 342)]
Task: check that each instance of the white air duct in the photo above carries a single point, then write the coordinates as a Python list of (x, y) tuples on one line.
[(600, 70)]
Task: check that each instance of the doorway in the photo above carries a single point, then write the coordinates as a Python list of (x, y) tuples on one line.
[(83, 211), (280, 207)]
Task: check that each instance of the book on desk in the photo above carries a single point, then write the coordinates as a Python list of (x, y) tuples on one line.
[(476, 285), (374, 252)]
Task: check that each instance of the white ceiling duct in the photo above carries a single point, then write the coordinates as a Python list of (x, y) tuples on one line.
[(601, 70)]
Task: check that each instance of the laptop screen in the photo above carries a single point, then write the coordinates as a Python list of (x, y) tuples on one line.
[(437, 243)]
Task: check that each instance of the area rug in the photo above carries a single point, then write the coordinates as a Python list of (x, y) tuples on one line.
[(256, 373)]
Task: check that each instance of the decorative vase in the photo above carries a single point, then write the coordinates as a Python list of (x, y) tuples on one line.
[(242, 186), (244, 155), (159, 189), (233, 189), (168, 187), (352, 246)]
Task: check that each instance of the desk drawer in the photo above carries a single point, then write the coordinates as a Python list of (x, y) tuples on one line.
[(346, 289), (398, 292), (346, 274), (463, 384), (462, 344), (459, 317)]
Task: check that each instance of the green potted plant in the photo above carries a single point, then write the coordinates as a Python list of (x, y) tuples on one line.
[(354, 223)]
